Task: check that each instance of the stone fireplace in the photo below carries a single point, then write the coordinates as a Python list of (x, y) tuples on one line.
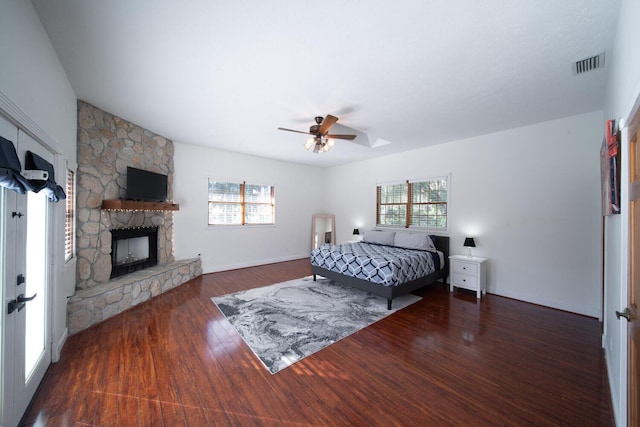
[(112, 276), (106, 146), (133, 249)]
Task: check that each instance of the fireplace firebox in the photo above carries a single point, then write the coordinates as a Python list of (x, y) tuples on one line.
[(133, 249)]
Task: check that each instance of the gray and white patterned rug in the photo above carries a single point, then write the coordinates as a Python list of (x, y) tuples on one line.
[(285, 322)]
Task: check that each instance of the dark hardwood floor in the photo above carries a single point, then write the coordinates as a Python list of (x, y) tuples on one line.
[(446, 360)]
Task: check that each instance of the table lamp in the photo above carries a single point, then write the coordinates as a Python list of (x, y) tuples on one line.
[(469, 243)]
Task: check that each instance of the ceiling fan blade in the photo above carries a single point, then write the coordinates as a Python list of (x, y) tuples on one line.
[(326, 124), (297, 131), (349, 137)]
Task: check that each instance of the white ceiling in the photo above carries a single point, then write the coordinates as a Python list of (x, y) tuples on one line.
[(414, 73)]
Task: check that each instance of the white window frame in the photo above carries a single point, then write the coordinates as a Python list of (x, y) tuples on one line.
[(407, 223), (243, 205)]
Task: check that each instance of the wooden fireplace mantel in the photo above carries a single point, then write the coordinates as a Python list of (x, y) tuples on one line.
[(133, 205)]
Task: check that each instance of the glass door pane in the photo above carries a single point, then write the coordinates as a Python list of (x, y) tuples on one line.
[(36, 279)]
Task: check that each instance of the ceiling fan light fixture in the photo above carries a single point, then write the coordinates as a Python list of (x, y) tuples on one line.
[(322, 140), (310, 142), (324, 144), (320, 144)]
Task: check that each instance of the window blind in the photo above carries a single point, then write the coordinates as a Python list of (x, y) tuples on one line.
[(415, 203), (69, 224), (240, 203)]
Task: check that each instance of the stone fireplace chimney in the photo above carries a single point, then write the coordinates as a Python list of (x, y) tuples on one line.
[(106, 146)]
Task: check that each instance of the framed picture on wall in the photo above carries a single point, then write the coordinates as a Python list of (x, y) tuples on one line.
[(610, 169)]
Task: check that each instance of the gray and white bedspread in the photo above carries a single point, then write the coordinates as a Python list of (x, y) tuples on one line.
[(385, 265)]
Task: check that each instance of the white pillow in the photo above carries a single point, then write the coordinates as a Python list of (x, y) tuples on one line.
[(379, 237), (414, 241)]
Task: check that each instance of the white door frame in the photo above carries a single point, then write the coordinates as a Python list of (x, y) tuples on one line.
[(16, 117), (7, 293), (628, 129), (17, 388), (27, 387)]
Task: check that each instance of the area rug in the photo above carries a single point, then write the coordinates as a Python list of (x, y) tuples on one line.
[(285, 322)]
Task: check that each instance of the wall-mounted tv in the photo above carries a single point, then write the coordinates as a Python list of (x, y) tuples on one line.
[(146, 186)]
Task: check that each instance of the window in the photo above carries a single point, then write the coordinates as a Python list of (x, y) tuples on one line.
[(70, 216), (420, 204), (429, 203), (233, 203), (392, 204)]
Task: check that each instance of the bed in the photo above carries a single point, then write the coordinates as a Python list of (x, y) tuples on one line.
[(385, 263)]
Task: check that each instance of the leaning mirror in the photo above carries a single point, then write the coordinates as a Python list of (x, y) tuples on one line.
[(322, 229)]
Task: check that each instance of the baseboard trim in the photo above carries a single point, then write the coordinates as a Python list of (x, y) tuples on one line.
[(594, 312), (218, 268), (57, 349)]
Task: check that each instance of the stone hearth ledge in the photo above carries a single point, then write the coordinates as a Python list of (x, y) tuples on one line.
[(93, 305)]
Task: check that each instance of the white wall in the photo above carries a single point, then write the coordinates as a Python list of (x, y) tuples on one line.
[(298, 192), (32, 77), (33, 82), (623, 89), (530, 196)]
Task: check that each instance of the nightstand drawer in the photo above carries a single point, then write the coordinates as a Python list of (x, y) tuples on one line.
[(469, 273), (462, 267), (464, 280)]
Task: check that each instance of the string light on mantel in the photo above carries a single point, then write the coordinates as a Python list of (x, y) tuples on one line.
[(138, 210), (136, 228), (132, 206)]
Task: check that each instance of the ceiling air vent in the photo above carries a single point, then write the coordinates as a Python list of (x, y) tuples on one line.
[(588, 64)]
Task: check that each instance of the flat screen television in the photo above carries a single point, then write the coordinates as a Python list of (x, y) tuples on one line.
[(146, 186)]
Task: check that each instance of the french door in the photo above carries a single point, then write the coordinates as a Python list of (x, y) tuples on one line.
[(25, 272), (632, 311)]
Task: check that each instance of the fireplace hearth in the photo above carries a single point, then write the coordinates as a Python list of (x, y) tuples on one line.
[(133, 249)]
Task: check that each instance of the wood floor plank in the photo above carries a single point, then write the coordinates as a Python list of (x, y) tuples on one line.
[(106, 413), (150, 413), (448, 359)]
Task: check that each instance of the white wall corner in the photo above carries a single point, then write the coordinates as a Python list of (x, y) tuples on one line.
[(57, 348)]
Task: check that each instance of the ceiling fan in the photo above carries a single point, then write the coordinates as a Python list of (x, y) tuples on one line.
[(321, 140)]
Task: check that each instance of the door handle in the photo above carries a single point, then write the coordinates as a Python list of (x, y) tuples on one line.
[(21, 298), (15, 305), (19, 303), (624, 314)]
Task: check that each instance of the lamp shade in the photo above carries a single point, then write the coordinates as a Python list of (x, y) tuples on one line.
[(356, 232), (469, 242)]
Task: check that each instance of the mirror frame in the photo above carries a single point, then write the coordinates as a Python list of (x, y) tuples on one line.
[(315, 217)]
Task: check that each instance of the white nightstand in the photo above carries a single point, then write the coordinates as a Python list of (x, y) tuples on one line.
[(469, 273)]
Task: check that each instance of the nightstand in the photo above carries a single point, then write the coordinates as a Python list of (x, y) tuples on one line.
[(468, 273)]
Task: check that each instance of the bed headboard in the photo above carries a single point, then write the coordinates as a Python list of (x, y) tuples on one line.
[(442, 244)]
